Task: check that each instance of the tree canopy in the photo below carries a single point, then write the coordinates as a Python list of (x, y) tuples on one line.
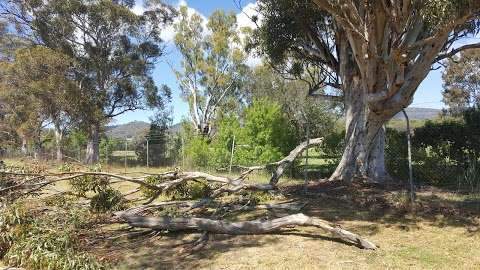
[(114, 48), (212, 64), (461, 79), (375, 53)]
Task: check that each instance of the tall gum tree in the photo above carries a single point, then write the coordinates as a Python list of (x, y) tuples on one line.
[(114, 48), (47, 77), (375, 52), (212, 66), (461, 82)]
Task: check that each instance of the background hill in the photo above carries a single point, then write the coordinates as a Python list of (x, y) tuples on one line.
[(137, 128), (133, 129), (419, 113), (128, 130)]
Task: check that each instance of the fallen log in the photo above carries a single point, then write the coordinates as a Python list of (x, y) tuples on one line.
[(241, 227), (278, 168)]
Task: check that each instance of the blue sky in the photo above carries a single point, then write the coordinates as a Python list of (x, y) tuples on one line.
[(428, 95)]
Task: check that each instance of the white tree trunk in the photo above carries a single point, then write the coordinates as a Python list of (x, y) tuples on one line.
[(364, 153), (59, 143), (92, 155), (24, 148)]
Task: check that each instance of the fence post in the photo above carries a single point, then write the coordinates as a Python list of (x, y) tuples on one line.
[(125, 153), (231, 155), (409, 147), (305, 171), (106, 152), (147, 152), (183, 153)]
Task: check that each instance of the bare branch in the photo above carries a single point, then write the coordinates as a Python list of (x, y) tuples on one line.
[(457, 50), (241, 227)]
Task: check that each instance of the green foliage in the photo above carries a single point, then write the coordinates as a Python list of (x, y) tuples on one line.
[(110, 56), (221, 145), (12, 218), (300, 110), (197, 151), (396, 153), (83, 185), (185, 190), (46, 249), (462, 82), (37, 86), (444, 153), (106, 149), (152, 180), (66, 167), (39, 243), (470, 180), (190, 190), (212, 67), (282, 29), (107, 199), (267, 136), (436, 14)]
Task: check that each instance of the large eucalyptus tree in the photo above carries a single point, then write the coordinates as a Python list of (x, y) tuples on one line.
[(114, 48), (212, 64), (375, 53)]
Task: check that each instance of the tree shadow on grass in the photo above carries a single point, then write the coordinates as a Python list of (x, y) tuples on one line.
[(172, 250), (336, 202)]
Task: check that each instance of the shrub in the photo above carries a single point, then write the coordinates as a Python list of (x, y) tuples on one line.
[(82, 185), (11, 220), (221, 145), (443, 153), (107, 200), (186, 190), (198, 152), (190, 190), (266, 136), (152, 180), (396, 153), (470, 179)]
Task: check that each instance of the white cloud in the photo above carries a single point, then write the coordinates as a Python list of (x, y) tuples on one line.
[(182, 3), (138, 9), (244, 19), (168, 34)]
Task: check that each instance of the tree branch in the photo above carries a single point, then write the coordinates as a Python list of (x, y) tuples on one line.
[(241, 227), (457, 50)]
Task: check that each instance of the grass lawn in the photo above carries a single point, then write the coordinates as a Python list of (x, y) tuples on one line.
[(442, 232)]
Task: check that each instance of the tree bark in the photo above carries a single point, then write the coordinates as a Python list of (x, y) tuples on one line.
[(24, 148), (364, 153), (59, 143), (242, 227), (92, 155)]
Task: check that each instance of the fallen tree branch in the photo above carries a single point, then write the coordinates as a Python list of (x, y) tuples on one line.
[(174, 178), (241, 227), (278, 168)]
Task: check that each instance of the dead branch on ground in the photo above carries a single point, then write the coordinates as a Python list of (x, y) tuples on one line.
[(23, 184)]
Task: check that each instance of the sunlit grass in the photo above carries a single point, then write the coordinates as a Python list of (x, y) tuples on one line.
[(437, 237)]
